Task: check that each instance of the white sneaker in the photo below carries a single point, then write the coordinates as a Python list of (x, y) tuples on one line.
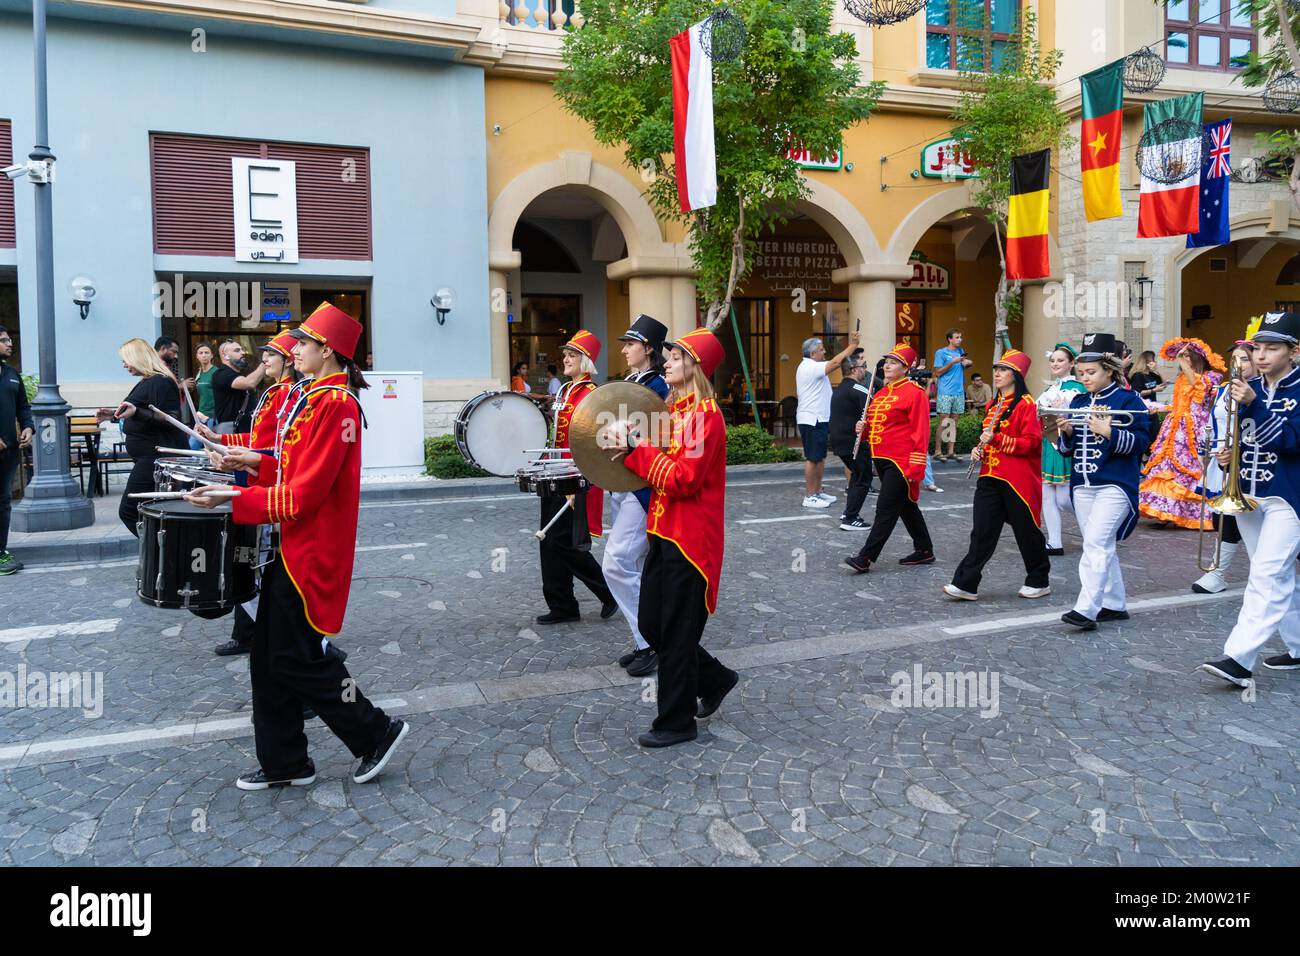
[(825, 497), (812, 501), (935, 488), (1028, 592), (955, 592), (1210, 583)]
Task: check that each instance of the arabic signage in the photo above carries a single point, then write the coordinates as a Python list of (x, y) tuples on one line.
[(795, 263), (945, 159), (927, 276), (266, 209), (281, 302)]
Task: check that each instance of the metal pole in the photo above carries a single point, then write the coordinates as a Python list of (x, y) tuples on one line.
[(744, 367), (53, 501)]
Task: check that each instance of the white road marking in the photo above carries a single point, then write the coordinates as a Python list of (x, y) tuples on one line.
[(774, 520), (80, 567), (36, 632), (1147, 604), (392, 547), (948, 507)]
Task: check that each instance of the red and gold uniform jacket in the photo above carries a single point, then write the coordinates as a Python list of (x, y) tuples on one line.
[(266, 417), (898, 429), (314, 498), (1015, 453), (567, 401), (689, 483)]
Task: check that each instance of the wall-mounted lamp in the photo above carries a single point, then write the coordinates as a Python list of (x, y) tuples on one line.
[(443, 301), (83, 293), (1144, 284)]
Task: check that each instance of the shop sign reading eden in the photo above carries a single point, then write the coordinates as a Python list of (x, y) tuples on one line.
[(945, 159), (266, 209)]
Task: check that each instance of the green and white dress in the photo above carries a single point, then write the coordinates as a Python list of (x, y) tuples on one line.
[(1056, 467)]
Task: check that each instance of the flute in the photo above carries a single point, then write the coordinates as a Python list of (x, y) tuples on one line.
[(162, 495)]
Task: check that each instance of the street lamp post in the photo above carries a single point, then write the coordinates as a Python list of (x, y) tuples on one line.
[(53, 501)]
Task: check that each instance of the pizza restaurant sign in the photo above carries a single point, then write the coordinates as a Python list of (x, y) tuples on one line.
[(808, 160), (945, 159)]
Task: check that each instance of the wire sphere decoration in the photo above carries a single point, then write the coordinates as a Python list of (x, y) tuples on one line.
[(722, 38), (881, 13), (1282, 93), (1173, 150), (1143, 70)]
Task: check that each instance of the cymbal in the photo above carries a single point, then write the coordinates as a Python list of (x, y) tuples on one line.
[(610, 403)]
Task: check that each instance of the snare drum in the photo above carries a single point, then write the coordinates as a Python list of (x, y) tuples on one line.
[(182, 474), (500, 432), (542, 481), (195, 559)]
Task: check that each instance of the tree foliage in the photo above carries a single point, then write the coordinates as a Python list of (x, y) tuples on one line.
[(1006, 112), (795, 81), (1279, 26)]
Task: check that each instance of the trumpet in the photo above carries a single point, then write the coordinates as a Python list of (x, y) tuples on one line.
[(1232, 501), (1080, 416)]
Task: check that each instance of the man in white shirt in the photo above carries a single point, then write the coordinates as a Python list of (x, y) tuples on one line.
[(812, 385), (552, 381)]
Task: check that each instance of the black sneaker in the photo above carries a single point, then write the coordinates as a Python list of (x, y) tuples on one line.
[(1107, 614), (710, 704), (258, 780), (666, 738), (1075, 619), (1282, 662), (553, 618), (918, 557), (371, 766), (626, 659), (859, 565), (608, 610), (1229, 670), (857, 524), (1055, 552), (231, 648), (643, 663)]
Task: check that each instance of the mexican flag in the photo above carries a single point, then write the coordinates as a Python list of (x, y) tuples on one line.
[(1103, 119), (1173, 209), (693, 150)]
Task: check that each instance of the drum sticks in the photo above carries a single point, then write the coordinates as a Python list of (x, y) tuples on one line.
[(161, 495), (187, 430)]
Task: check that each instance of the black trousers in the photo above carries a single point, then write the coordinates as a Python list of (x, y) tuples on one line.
[(892, 504), (566, 554), (289, 669), (10, 459), (859, 480), (1230, 533), (140, 479), (672, 615), (996, 504)]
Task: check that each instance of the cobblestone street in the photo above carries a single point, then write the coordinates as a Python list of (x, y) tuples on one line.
[(1080, 748)]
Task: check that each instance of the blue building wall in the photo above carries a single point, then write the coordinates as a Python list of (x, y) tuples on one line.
[(422, 120)]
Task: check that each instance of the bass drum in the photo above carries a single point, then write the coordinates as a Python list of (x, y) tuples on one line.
[(195, 559), (495, 430)]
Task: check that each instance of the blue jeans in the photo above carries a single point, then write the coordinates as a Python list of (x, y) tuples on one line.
[(929, 472)]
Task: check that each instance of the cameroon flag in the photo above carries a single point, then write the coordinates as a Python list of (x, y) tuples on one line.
[(1103, 118), (1027, 256)]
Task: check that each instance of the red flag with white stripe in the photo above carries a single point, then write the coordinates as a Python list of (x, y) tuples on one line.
[(693, 149)]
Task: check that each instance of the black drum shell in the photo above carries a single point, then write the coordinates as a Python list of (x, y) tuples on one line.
[(191, 557)]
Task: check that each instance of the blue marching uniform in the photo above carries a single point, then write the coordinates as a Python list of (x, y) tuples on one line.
[(1104, 478), (1270, 474)]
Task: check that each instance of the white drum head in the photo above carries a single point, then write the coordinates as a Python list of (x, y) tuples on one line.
[(500, 429)]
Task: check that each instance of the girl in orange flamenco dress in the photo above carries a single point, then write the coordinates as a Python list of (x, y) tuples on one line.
[(1173, 470)]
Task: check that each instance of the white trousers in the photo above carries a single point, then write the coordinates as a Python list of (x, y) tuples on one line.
[(1102, 511), (1272, 537), (624, 559), (1056, 501)]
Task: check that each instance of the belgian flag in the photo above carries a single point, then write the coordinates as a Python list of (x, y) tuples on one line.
[(1103, 119), (1027, 256)]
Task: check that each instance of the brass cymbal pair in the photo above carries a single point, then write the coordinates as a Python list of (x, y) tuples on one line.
[(589, 430)]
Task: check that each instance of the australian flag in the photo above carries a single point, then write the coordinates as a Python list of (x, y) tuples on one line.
[(1214, 188)]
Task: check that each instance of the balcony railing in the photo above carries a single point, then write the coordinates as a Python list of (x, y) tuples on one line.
[(542, 14)]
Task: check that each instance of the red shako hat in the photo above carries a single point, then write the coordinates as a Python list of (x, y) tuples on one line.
[(331, 326)]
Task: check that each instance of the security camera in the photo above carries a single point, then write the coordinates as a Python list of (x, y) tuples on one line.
[(15, 172)]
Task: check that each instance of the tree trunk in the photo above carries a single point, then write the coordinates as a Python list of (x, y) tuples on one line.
[(1293, 182), (719, 310), (999, 298)]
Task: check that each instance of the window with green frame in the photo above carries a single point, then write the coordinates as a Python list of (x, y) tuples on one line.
[(970, 35)]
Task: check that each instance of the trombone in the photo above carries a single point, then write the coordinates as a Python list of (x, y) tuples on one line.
[(1232, 501)]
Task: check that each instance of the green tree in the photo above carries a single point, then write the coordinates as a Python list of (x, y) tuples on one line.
[(1005, 112), (796, 81), (1279, 25)]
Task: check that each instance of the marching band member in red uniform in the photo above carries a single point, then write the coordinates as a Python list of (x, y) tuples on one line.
[(897, 428), (679, 586), (313, 495), (1010, 485), (566, 549), (277, 359)]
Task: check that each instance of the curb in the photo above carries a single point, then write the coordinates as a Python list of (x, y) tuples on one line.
[(118, 548)]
